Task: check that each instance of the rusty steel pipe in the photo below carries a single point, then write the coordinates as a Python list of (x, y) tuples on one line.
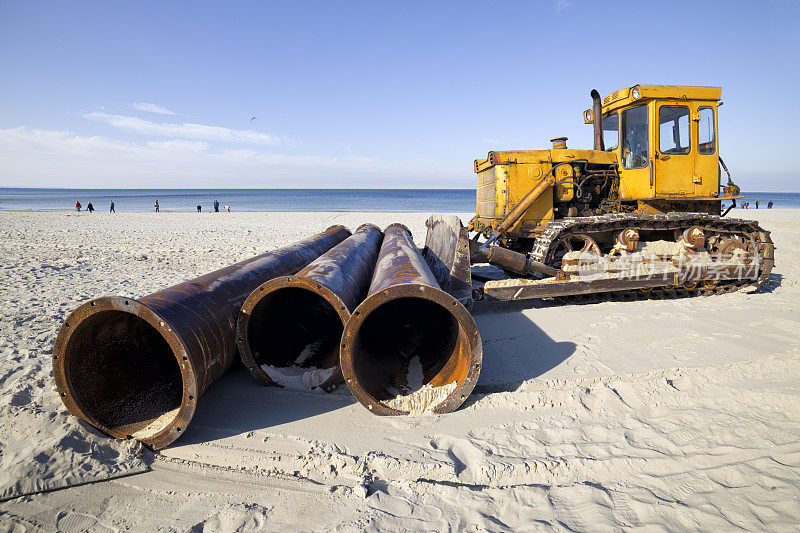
[(597, 120), (135, 368), (409, 347), (294, 324)]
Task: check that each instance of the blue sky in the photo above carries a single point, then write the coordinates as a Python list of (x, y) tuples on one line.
[(368, 94)]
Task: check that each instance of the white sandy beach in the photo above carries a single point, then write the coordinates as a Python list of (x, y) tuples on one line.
[(655, 415)]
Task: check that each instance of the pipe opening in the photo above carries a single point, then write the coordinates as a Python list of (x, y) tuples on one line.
[(122, 372), (294, 336), (410, 354)]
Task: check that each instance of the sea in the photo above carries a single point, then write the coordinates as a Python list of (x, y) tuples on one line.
[(258, 200), (278, 200)]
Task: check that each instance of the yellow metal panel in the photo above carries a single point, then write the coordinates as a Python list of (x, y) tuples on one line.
[(683, 92), (594, 157), (518, 156), (674, 172), (522, 179), (545, 156), (706, 167), (636, 183), (501, 190), (482, 164)]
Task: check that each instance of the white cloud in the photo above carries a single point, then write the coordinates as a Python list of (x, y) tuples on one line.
[(44, 158), (561, 5), (152, 108), (186, 130)]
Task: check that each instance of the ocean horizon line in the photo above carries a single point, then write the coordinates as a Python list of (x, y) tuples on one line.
[(36, 188), (274, 200), (240, 188)]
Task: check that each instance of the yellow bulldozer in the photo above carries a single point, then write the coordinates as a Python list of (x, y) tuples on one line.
[(639, 215)]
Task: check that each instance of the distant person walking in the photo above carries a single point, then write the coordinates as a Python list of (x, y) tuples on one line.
[(756, 204), (112, 207), (78, 206), (769, 205), (199, 208), (216, 206), (156, 206), (90, 207)]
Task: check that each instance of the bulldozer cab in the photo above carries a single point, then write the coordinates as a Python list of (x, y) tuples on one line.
[(664, 138)]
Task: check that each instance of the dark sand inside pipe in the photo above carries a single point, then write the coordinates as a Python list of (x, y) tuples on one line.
[(132, 381)]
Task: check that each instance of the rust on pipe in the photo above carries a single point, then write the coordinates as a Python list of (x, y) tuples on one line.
[(409, 347), (294, 324), (135, 368)]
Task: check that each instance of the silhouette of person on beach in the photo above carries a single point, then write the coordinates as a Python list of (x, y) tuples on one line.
[(78, 206), (756, 204), (156, 206), (199, 208), (112, 207), (90, 207), (216, 206), (769, 204)]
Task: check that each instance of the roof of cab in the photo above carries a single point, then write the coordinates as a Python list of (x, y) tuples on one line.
[(625, 97)]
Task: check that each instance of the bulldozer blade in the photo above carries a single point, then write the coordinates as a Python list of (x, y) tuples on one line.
[(135, 369), (523, 289), (409, 347), (447, 254), (295, 322)]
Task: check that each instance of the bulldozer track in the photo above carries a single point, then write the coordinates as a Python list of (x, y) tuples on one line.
[(545, 246)]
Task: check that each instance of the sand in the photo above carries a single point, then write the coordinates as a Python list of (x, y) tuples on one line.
[(676, 415)]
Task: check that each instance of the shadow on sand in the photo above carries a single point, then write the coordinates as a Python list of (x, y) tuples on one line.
[(773, 282), (236, 404), (515, 350)]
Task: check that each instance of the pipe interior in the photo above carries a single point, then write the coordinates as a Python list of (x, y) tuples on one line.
[(408, 343), (123, 372), (293, 326)]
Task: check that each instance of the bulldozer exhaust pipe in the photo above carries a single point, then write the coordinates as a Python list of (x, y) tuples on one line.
[(409, 347), (597, 120), (290, 327), (136, 368)]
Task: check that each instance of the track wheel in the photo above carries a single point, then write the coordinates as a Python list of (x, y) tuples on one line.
[(709, 284), (690, 285), (570, 243)]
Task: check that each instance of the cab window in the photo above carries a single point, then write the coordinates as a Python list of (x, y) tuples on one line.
[(633, 125), (706, 140), (673, 129), (611, 132)]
